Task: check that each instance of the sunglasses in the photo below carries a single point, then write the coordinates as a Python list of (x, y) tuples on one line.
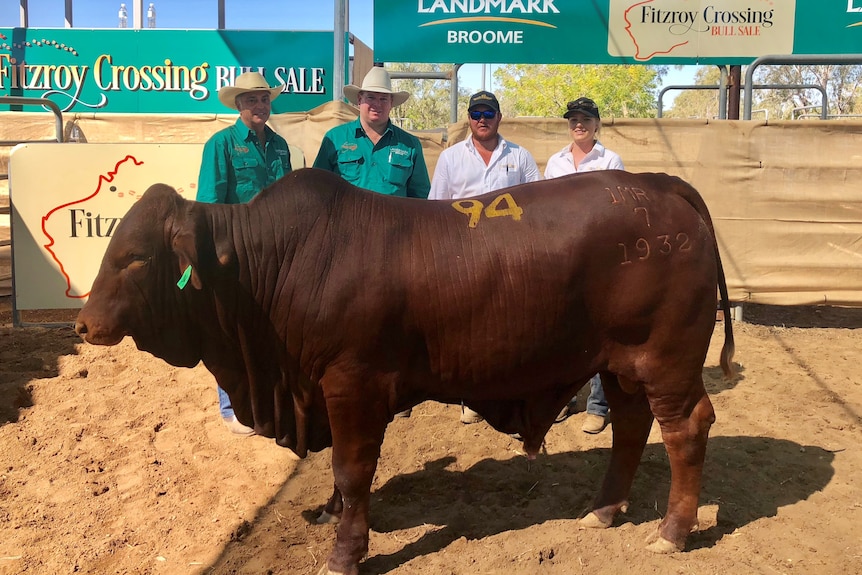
[(479, 114)]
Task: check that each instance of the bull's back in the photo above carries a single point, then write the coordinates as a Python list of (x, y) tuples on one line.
[(548, 267)]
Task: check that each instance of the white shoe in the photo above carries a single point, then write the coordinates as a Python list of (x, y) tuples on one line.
[(563, 415), (469, 416), (594, 423), (235, 427)]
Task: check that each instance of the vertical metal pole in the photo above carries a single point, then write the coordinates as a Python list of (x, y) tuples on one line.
[(338, 49), (138, 14), (25, 19), (69, 14), (453, 95), (221, 14), (735, 91)]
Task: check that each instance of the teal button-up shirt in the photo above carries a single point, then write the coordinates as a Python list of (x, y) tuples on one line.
[(234, 167), (394, 166)]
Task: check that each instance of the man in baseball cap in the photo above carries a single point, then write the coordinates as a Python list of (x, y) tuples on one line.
[(481, 163), (483, 98)]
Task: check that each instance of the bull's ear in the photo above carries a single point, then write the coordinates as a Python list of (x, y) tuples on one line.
[(184, 248), (184, 245)]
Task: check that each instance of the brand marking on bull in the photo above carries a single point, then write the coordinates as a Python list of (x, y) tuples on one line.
[(625, 194), (642, 249), (474, 209)]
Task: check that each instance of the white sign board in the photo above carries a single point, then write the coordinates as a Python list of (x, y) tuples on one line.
[(66, 202)]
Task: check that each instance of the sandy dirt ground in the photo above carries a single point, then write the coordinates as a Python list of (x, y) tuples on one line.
[(112, 461)]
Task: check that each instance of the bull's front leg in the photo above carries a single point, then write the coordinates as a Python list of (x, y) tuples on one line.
[(357, 434), (685, 438)]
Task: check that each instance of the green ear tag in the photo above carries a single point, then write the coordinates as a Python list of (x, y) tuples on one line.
[(185, 277)]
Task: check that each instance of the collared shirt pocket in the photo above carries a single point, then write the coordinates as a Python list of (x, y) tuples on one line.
[(350, 165), (400, 165), (281, 165), (509, 174), (246, 168)]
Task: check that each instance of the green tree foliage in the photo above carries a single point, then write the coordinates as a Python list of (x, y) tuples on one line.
[(543, 90), (842, 83), (696, 103), (429, 104)]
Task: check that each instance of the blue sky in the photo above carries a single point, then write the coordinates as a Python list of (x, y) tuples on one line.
[(248, 15)]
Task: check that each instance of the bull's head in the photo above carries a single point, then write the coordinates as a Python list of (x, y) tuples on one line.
[(136, 291)]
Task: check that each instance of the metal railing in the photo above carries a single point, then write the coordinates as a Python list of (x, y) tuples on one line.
[(7, 209), (817, 59), (824, 103), (58, 128)]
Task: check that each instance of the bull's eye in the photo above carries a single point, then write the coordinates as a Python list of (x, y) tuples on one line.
[(137, 261)]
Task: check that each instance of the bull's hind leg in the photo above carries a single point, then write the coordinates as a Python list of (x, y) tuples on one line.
[(631, 420), (684, 431), (332, 510)]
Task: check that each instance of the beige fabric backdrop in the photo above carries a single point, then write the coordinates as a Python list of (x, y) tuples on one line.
[(786, 196)]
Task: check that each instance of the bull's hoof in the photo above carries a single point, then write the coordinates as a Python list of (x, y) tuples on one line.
[(327, 518), (592, 521), (325, 570), (663, 546)]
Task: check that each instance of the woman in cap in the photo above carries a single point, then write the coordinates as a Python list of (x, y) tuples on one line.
[(585, 153)]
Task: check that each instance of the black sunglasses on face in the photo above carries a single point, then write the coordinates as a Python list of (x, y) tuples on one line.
[(479, 114)]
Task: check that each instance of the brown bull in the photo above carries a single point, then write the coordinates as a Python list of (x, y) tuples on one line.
[(324, 309)]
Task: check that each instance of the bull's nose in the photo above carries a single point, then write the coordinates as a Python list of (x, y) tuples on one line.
[(80, 328)]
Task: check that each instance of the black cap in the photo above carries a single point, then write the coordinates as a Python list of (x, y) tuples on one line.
[(583, 105), (483, 99)]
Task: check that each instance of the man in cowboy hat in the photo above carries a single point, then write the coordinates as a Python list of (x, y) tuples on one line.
[(243, 159), (240, 161), (371, 152)]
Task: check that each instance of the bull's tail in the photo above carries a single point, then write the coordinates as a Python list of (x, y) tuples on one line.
[(691, 195), (729, 346)]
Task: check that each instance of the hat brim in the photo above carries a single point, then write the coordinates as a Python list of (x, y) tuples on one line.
[(351, 92), (590, 113), (228, 94)]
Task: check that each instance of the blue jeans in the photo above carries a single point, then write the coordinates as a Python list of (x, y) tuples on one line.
[(224, 403), (596, 402)]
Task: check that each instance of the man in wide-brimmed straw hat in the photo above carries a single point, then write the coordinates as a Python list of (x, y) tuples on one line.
[(243, 159), (371, 152), (240, 161)]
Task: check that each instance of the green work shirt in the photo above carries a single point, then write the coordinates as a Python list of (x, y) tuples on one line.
[(234, 167), (394, 166)]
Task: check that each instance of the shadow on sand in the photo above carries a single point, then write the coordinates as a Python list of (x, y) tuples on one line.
[(748, 478)]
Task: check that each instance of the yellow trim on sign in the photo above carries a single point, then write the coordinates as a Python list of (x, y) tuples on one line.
[(488, 19)]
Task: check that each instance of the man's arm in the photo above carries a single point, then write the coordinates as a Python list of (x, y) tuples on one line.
[(529, 167), (419, 185), (213, 175), (440, 181), (325, 159)]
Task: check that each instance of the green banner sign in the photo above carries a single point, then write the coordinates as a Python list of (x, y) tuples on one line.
[(612, 31), (161, 71)]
